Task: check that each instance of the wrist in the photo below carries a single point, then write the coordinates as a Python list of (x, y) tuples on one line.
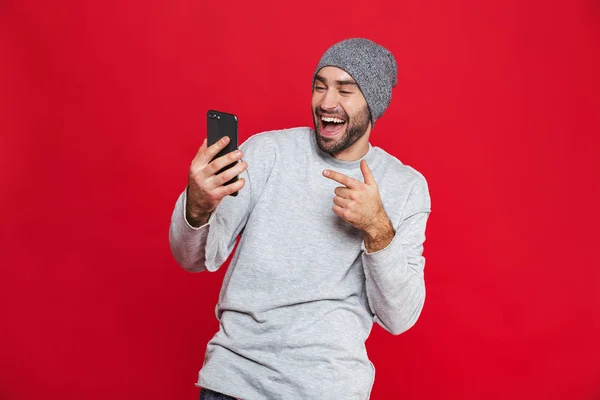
[(197, 219), (379, 235), (195, 215)]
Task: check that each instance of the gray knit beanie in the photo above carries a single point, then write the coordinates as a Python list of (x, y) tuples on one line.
[(372, 66)]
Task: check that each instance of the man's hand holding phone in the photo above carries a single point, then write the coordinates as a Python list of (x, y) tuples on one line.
[(206, 186)]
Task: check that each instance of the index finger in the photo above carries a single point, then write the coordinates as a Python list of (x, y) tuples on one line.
[(341, 178), (211, 151)]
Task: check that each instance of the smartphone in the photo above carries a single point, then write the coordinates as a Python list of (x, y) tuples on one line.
[(220, 124)]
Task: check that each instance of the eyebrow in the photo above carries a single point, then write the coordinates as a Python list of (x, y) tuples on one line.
[(346, 82), (340, 82)]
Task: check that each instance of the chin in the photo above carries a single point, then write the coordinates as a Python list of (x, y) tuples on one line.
[(326, 144)]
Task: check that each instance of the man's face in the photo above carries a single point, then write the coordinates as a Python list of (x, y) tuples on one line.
[(340, 112)]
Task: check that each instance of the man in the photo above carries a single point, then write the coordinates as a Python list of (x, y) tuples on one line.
[(331, 239)]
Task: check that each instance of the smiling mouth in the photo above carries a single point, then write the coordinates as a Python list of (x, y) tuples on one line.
[(331, 126)]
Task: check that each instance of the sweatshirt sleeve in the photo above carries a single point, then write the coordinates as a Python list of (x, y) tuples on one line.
[(394, 275), (208, 246), (187, 242)]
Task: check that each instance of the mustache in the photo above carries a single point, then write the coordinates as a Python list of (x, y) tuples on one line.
[(335, 113)]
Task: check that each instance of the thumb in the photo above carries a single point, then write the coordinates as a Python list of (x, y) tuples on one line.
[(367, 174), (201, 150)]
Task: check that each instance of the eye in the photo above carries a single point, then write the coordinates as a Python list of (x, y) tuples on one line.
[(319, 88), (345, 92)]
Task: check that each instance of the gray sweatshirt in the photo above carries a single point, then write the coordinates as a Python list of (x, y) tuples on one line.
[(301, 292)]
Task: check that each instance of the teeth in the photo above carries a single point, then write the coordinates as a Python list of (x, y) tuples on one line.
[(336, 120)]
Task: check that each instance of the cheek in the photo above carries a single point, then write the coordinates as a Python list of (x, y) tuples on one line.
[(354, 108), (349, 109), (316, 100)]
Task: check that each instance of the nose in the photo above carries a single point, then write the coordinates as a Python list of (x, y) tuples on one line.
[(330, 100)]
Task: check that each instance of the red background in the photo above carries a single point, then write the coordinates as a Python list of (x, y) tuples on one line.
[(102, 108)]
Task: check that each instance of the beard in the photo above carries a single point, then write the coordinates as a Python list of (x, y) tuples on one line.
[(356, 127)]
